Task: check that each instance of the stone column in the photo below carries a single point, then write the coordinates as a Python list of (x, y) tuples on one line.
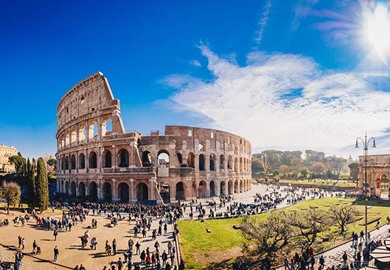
[(132, 198), (217, 188), (172, 191), (152, 188), (114, 192)]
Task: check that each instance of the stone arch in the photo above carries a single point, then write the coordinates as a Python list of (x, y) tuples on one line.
[(235, 165), (230, 162), (81, 161), (236, 187), (93, 192), (202, 161), (222, 162), (67, 187), (123, 158), (66, 164), (241, 187), (212, 162), (241, 168), (212, 188), (180, 191), (107, 192), (62, 186), (82, 189), (191, 160), (142, 192), (123, 192), (146, 159), (92, 160), (202, 189), (222, 188), (165, 192), (180, 158), (230, 187), (107, 159), (72, 162), (163, 158), (73, 189)]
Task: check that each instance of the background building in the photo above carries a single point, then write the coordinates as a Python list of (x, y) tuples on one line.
[(378, 174), (98, 160), (5, 153)]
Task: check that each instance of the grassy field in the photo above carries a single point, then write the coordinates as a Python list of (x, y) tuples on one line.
[(320, 182), (196, 242)]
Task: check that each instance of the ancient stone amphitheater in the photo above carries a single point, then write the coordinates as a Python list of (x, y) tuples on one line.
[(99, 161)]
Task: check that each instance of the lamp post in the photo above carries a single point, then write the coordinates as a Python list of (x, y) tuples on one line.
[(365, 189)]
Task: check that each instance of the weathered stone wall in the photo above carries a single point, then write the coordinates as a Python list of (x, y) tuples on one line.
[(98, 160)]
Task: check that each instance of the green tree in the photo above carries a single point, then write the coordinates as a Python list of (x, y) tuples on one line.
[(42, 186), (342, 215), (354, 170), (19, 162), (266, 237), (11, 193), (319, 168), (31, 188)]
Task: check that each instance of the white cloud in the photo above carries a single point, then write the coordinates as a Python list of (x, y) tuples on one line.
[(285, 101), (195, 63), (263, 21)]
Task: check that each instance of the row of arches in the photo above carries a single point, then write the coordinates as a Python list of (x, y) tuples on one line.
[(70, 163), (91, 193), (204, 163), (122, 192)]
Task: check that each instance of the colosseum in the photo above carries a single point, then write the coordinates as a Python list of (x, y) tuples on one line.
[(99, 161)]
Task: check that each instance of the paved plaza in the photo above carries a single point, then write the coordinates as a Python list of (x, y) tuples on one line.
[(71, 252)]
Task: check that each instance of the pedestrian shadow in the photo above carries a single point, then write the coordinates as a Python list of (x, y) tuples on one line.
[(99, 255), (37, 259), (47, 239)]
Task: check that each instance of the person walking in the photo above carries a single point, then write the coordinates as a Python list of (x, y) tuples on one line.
[(56, 252), (55, 233)]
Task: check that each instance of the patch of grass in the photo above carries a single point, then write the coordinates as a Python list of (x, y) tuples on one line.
[(194, 239)]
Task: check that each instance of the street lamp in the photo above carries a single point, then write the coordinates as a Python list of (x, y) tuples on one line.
[(365, 147)]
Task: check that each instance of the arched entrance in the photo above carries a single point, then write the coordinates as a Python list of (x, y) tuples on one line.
[(180, 191), (165, 192), (93, 192), (230, 187), (142, 192), (212, 189), (202, 189), (123, 190), (222, 188), (73, 189), (235, 186), (82, 190), (384, 185), (67, 187), (241, 187), (107, 192)]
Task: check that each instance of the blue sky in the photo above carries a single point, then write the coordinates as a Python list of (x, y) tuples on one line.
[(288, 75)]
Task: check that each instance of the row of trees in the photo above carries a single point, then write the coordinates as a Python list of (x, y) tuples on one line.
[(284, 232), (291, 164), (36, 176)]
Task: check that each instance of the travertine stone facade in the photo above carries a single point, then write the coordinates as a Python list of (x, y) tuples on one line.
[(98, 160), (5, 153), (378, 175)]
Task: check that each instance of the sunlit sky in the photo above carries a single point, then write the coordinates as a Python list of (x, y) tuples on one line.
[(287, 75)]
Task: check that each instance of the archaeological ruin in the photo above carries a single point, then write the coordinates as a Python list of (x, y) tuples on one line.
[(98, 160)]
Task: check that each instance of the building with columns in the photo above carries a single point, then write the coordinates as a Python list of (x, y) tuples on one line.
[(99, 161), (5, 153), (378, 175)]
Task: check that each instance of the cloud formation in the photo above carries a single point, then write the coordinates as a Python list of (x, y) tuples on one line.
[(263, 21), (285, 101)]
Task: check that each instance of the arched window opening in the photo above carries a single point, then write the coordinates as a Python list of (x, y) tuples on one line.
[(180, 158), (92, 160), (72, 162), (222, 162), (146, 159), (107, 159), (202, 166), (81, 161), (163, 158), (212, 162), (191, 160), (123, 158)]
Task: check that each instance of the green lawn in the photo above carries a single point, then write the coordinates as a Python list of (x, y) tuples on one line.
[(194, 238)]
